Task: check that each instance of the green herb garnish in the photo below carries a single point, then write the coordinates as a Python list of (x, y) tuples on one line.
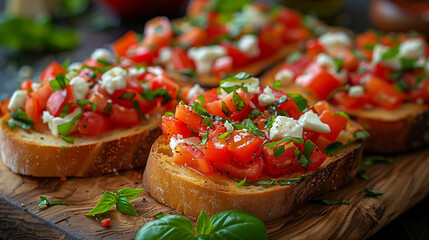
[(122, 200)]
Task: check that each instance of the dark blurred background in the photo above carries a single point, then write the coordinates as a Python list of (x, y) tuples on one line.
[(96, 25)]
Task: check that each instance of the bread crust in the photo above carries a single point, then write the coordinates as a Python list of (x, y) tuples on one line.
[(403, 129), (41, 154), (190, 192), (255, 68)]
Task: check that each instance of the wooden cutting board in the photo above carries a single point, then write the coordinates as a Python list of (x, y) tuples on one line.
[(404, 183)]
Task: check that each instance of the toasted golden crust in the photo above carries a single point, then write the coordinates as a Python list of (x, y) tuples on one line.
[(41, 154), (255, 68), (190, 192)]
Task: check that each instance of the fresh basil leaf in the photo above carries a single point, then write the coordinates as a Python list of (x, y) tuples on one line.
[(335, 202), (103, 62), (254, 113), (361, 134), (305, 158), (136, 106), (336, 90), (373, 192), (84, 102), (127, 96), (67, 139), (64, 129), (224, 135), (229, 90), (66, 63), (333, 148), (237, 224), (252, 127), (239, 104), (277, 84), (44, 203), (297, 153), (204, 226), (264, 182), (200, 110), (60, 82), (239, 184), (108, 110), (342, 113), (20, 119), (338, 63), (278, 151), (160, 215), (188, 72), (372, 160), (225, 109), (242, 75), (65, 110), (362, 174), (262, 144), (202, 100), (167, 227), (130, 193), (300, 101), (206, 121), (204, 138), (291, 181), (391, 53), (293, 57), (124, 206), (407, 63), (107, 201), (270, 122)]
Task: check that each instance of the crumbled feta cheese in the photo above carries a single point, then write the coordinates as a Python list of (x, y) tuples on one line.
[(312, 122), (254, 16), (252, 84), (196, 90), (249, 45), (135, 72), (285, 76), (18, 99), (35, 86), (412, 48), (229, 126), (377, 54), (335, 40), (285, 127), (174, 141), (326, 61), (101, 54), (72, 74), (80, 88), (356, 91), (204, 57), (267, 97), (114, 79), (74, 66), (165, 54), (54, 122)]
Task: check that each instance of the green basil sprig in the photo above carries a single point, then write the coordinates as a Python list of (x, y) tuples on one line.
[(232, 224), (20, 119), (44, 203), (373, 192), (122, 200)]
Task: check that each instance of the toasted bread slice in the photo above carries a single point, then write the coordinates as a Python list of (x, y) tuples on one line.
[(40, 154), (403, 129), (190, 192), (254, 68)]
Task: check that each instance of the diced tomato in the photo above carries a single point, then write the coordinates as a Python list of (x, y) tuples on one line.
[(298, 66), (421, 93), (26, 85), (144, 54), (106, 222), (191, 156), (366, 41), (382, 71), (189, 117), (297, 34), (58, 99), (383, 93), (217, 150), (310, 135), (42, 94), (350, 61), (273, 35), (243, 146), (159, 79), (229, 102), (319, 81), (222, 66), (193, 37), (122, 116), (239, 59), (283, 164), (180, 60), (321, 106), (52, 71), (215, 29), (92, 63), (100, 101), (336, 123), (289, 18), (158, 32), (171, 127), (134, 85), (265, 47), (317, 158), (349, 102), (121, 46), (33, 109), (251, 172), (209, 96), (93, 124), (314, 48)]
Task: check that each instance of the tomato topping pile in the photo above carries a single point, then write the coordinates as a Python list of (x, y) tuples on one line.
[(214, 38), (247, 132), (374, 71)]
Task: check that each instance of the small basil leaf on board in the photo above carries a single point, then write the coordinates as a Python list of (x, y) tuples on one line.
[(333, 147), (44, 203), (160, 215), (107, 201), (130, 193), (204, 226), (373, 192), (372, 160), (361, 134), (237, 224), (167, 227), (124, 206), (335, 202)]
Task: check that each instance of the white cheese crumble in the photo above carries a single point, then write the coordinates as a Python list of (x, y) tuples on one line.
[(164, 58), (267, 97), (252, 84), (327, 62), (356, 91), (74, 66), (254, 16), (72, 74), (204, 57), (114, 79), (285, 127), (175, 141), (334, 40), (54, 122), (134, 72), (18, 99), (285, 76), (249, 45), (312, 122), (412, 48), (80, 88), (102, 54), (35, 86), (229, 126), (377, 54), (194, 91)]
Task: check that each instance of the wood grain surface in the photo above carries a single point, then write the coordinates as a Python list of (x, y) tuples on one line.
[(404, 183)]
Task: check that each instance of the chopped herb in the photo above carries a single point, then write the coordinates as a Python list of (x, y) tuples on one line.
[(44, 203), (104, 62), (238, 102), (277, 84), (373, 192), (336, 90), (127, 96), (362, 174), (262, 144), (160, 215), (121, 198), (200, 110), (108, 110), (63, 148), (241, 182), (342, 113), (224, 135), (225, 109), (391, 53), (202, 100), (20, 119), (137, 108), (338, 62), (407, 63), (229, 90), (294, 57), (333, 148), (270, 122), (66, 63), (335, 202), (188, 72), (264, 182), (65, 110), (305, 158), (291, 181), (372, 160), (361, 134), (278, 151), (204, 138), (254, 113), (64, 129), (67, 139), (168, 114), (85, 102), (60, 82), (206, 121), (300, 101), (248, 124), (242, 76), (150, 95)]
